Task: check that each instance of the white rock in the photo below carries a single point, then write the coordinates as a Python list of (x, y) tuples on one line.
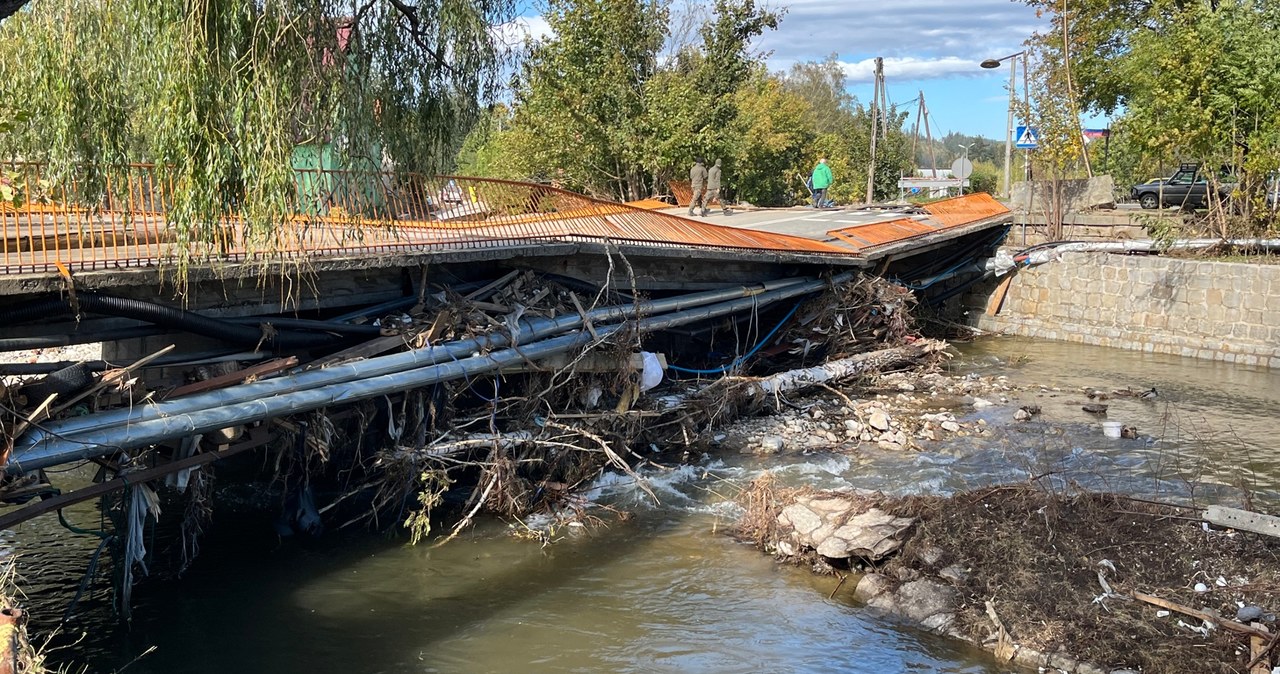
[(799, 518), (982, 403), (1021, 415), (870, 535), (950, 426), (872, 585), (879, 420), (772, 443)]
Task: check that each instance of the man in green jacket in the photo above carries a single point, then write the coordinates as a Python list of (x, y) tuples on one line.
[(820, 181), (713, 190), (698, 183)]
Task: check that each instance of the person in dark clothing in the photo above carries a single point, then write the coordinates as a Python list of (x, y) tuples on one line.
[(698, 181), (713, 190)]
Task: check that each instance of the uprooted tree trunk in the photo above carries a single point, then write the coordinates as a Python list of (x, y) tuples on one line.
[(848, 368)]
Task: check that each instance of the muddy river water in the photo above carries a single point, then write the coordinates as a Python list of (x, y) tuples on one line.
[(666, 590)]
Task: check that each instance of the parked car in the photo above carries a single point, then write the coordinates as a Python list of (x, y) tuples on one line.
[(1189, 187)]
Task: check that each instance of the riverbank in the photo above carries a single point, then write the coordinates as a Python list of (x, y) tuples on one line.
[(1040, 578), (1228, 311)]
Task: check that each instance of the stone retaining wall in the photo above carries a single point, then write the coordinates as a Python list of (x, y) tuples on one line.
[(1212, 310)]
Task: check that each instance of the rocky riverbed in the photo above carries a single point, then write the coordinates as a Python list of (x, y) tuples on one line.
[(899, 412), (1044, 573)]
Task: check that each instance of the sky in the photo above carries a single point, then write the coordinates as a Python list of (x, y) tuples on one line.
[(929, 46)]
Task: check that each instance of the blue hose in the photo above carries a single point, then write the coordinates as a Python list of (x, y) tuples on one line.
[(740, 359)]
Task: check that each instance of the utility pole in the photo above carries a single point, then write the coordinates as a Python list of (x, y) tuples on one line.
[(875, 104), (1008, 139)]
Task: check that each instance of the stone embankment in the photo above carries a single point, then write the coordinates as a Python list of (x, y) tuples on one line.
[(1211, 310)]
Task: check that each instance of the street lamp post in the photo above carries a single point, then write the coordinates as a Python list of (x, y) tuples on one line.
[(1008, 139)]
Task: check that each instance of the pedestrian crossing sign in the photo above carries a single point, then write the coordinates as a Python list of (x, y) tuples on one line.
[(1028, 138)]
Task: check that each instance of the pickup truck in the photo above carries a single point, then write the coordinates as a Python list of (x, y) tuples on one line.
[(1188, 188)]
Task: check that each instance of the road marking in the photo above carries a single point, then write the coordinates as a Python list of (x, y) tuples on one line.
[(806, 216)]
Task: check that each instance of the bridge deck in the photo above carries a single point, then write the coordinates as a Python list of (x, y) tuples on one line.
[(341, 215)]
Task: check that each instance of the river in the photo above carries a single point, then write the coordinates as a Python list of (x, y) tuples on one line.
[(666, 590)]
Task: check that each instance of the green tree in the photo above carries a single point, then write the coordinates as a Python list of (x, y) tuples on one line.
[(582, 97), (1061, 145), (822, 85), (1192, 81), (774, 142)]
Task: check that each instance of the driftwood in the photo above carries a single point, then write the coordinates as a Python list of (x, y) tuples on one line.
[(1203, 615), (847, 368), (1260, 652), (239, 376)]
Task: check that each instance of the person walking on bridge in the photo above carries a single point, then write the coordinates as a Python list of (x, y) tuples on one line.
[(698, 181), (820, 181), (713, 190)]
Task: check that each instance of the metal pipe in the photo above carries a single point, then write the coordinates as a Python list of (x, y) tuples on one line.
[(532, 329), (1048, 254), (117, 438)]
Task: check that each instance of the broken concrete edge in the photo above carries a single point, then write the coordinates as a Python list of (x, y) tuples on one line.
[(1078, 194), (35, 282)]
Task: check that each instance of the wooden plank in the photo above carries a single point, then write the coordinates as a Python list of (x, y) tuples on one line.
[(997, 298), (1202, 615), (489, 289), (369, 349), (1259, 650), (586, 320), (260, 370), (1233, 518)]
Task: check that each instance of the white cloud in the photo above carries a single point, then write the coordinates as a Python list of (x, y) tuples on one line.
[(513, 33), (912, 68), (922, 39)]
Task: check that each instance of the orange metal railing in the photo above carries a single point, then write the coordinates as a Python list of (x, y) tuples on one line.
[(121, 217)]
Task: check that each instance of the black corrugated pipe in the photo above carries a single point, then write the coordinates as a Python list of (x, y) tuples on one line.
[(166, 316), (51, 341), (309, 325)]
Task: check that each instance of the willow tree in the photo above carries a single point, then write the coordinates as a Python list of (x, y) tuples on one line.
[(219, 93)]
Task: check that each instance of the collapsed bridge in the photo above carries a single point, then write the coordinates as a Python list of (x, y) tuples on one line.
[(396, 322)]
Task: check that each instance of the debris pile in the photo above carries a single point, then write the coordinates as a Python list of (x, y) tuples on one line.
[(500, 396), (1076, 582)]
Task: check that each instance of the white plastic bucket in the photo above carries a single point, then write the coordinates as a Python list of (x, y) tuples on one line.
[(1111, 429)]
